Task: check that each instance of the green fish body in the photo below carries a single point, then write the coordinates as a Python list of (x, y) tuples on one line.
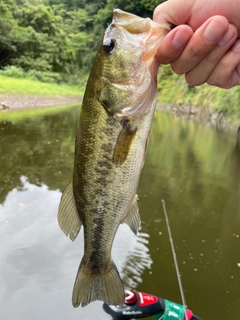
[(110, 149)]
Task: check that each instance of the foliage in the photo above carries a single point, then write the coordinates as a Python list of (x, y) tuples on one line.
[(173, 89), (57, 37), (56, 40)]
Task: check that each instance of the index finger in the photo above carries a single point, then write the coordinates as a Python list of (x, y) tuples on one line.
[(173, 44)]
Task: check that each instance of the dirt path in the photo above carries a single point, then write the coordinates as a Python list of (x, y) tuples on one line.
[(9, 102)]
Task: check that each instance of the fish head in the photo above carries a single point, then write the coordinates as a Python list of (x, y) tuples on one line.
[(127, 65)]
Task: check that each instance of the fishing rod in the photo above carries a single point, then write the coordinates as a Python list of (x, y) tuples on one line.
[(174, 258), (140, 305)]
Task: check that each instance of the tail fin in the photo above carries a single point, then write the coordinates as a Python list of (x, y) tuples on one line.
[(104, 286)]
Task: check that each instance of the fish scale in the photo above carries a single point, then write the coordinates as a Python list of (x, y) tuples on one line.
[(110, 150)]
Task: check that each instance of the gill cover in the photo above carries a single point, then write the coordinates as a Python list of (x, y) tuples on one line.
[(129, 76)]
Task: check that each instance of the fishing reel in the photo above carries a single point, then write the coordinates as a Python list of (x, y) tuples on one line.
[(141, 305)]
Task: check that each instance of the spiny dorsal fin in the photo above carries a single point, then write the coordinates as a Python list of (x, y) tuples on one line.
[(123, 143), (132, 218), (68, 218)]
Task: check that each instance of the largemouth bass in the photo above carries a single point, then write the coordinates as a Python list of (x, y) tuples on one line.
[(110, 149)]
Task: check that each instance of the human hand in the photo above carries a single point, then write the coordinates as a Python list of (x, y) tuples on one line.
[(203, 47)]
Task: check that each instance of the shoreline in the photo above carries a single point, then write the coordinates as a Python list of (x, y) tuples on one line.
[(27, 101), (207, 116), (204, 115)]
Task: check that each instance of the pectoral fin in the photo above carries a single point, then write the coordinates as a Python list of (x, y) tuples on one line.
[(123, 144), (133, 219), (68, 218)]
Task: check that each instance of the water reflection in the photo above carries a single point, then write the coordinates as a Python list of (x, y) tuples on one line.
[(136, 262), (39, 264), (194, 168), (40, 148)]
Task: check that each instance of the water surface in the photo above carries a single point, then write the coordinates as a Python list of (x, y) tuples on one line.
[(195, 169)]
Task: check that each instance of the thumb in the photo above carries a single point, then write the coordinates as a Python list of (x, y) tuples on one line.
[(173, 12), (172, 45)]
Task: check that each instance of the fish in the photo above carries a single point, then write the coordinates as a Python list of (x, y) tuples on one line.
[(110, 149)]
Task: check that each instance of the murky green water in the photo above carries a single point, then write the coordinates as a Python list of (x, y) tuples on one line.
[(195, 169)]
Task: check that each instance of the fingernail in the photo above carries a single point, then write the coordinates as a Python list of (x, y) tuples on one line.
[(214, 31), (180, 39), (224, 40), (229, 37), (236, 47)]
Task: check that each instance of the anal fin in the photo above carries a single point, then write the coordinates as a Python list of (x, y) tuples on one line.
[(133, 219), (68, 218)]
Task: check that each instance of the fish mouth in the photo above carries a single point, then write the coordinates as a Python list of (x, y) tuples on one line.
[(145, 32), (136, 34)]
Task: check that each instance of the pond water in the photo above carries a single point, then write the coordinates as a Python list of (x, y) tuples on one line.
[(194, 168)]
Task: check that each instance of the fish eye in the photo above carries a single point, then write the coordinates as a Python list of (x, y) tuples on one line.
[(109, 45)]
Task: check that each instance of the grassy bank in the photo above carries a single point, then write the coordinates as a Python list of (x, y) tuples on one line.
[(26, 86), (173, 89)]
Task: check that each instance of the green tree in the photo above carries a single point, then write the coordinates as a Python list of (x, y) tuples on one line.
[(58, 36), (7, 24), (42, 44)]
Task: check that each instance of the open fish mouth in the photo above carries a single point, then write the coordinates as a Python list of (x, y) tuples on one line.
[(143, 32)]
